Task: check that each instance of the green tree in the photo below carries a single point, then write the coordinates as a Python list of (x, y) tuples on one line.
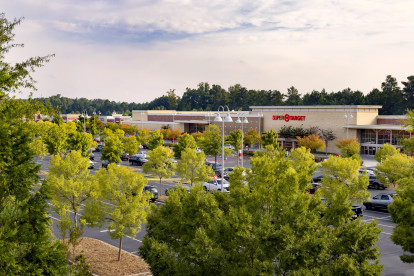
[(160, 163), (81, 142), (26, 247), (191, 167), (71, 187), (408, 92), (267, 225), (252, 137), (55, 140), (393, 168), (57, 120), (211, 141), (143, 136), (128, 207), (234, 139), (184, 141), (293, 97), (113, 149), (130, 145), (384, 151), (270, 138), (401, 214), (156, 140), (349, 147)]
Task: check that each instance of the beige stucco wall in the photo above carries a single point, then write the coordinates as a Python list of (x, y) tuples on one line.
[(139, 115), (324, 117)]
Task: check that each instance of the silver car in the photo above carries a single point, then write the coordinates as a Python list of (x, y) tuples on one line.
[(380, 201)]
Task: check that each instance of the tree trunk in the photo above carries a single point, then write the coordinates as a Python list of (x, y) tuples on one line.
[(326, 148), (160, 186), (120, 248)]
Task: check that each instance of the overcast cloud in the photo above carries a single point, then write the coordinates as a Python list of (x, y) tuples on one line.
[(130, 50)]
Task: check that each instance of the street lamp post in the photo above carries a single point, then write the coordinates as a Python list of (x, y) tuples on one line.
[(84, 114), (260, 133), (242, 134), (219, 119), (347, 116), (142, 120)]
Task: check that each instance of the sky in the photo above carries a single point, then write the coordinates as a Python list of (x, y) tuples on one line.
[(137, 50)]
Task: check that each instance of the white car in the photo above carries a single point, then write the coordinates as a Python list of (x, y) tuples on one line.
[(141, 155), (369, 172), (215, 185), (380, 201)]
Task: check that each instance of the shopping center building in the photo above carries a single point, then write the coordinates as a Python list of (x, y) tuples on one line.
[(345, 121)]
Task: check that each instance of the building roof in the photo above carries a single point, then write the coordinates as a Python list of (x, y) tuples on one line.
[(317, 106)]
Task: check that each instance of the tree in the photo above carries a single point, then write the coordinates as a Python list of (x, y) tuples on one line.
[(349, 147), (408, 92), (128, 206), (160, 163), (184, 141), (55, 140), (234, 139), (211, 141), (143, 136), (393, 168), (401, 214), (173, 99), (71, 187), (191, 167), (384, 152), (270, 138), (293, 97), (312, 142), (130, 145), (267, 225), (80, 141), (252, 137), (156, 140), (113, 149), (26, 247), (327, 135)]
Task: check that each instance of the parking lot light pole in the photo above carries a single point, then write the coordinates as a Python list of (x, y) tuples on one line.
[(84, 114), (242, 122), (219, 119)]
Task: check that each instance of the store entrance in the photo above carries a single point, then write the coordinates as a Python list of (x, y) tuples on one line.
[(368, 150)]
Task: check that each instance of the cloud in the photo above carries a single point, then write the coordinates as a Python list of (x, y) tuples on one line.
[(136, 50)]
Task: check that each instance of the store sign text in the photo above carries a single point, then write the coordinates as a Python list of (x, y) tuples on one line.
[(288, 118)]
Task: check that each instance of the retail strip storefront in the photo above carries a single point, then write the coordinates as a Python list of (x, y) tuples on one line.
[(345, 121)]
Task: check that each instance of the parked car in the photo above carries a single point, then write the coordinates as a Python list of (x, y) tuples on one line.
[(375, 183), (152, 190), (314, 188), (173, 188), (141, 154), (215, 166), (317, 179), (368, 171), (355, 208), (380, 201), (139, 161), (215, 185), (99, 147), (91, 156), (105, 163), (91, 165), (125, 156)]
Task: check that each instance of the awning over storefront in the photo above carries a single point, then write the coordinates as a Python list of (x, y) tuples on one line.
[(381, 127)]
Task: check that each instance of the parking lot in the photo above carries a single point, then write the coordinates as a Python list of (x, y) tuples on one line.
[(389, 251)]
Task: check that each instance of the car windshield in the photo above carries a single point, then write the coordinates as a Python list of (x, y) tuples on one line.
[(224, 181)]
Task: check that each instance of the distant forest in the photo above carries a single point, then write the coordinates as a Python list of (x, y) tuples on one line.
[(395, 99)]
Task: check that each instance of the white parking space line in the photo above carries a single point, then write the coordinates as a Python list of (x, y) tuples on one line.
[(386, 233), (53, 218), (107, 230)]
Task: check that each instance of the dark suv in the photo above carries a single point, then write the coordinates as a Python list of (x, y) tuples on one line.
[(375, 183), (152, 190), (139, 161)]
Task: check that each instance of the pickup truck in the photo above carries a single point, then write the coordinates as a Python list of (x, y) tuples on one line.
[(215, 185)]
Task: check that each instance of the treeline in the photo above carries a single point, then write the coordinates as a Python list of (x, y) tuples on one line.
[(395, 99)]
